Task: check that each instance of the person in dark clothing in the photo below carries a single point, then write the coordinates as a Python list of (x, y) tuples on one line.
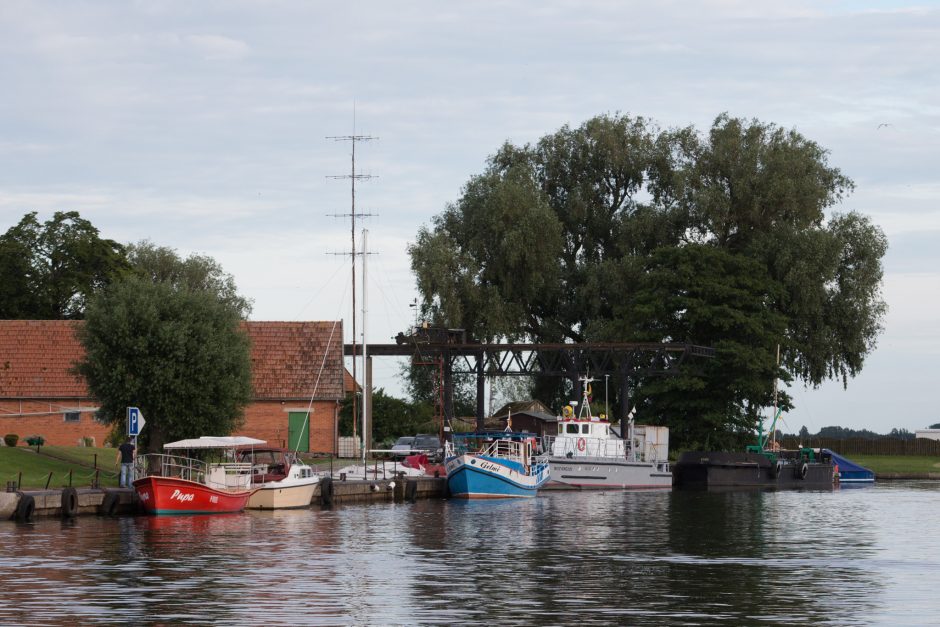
[(126, 456)]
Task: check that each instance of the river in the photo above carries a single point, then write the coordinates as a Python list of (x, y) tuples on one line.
[(860, 556)]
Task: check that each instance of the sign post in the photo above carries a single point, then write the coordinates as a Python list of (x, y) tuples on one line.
[(135, 422)]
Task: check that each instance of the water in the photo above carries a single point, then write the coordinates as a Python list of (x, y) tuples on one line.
[(864, 556)]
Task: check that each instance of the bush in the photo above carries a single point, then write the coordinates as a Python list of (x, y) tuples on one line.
[(35, 440), (11, 439)]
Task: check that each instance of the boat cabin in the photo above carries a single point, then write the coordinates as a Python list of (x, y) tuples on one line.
[(586, 438), (272, 464)]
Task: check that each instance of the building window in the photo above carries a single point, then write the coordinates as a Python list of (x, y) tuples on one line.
[(72, 416)]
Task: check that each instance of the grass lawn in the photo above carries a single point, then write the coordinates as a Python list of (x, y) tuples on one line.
[(36, 467), (906, 464)]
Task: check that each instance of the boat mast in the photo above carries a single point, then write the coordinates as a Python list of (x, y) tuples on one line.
[(365, 368)]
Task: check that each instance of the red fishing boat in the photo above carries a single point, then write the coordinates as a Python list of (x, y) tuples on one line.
[(177, 483)]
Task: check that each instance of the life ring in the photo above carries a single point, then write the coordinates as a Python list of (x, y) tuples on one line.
[(25, 508), (567, 411), (803, 470), (69, 502), (109, 503), (581, 444)]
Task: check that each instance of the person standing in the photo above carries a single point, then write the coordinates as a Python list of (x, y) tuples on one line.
[(125, 455)]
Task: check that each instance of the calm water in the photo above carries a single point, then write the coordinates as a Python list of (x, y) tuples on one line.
[(851, 557)]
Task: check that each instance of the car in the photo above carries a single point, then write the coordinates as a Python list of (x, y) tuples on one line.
[(402, 447), (430, 445)]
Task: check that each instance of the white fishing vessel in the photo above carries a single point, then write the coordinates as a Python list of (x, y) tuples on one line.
[(280, 478), (588, 454)]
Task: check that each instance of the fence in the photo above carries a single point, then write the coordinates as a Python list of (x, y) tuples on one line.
[(862, 446)]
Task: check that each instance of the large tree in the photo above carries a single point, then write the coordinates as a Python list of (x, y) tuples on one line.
[(168, 339), (619, 231), (49, 270)]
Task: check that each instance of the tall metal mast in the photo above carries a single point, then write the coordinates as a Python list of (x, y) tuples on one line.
[(352, 215)]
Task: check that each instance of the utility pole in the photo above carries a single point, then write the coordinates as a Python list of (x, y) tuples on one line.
[(352, 215)]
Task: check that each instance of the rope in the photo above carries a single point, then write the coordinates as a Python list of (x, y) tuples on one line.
[(316, 384)]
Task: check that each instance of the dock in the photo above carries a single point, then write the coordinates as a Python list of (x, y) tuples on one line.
[(25, 505)]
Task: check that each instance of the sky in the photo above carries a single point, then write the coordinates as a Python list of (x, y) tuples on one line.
[(205, 126)]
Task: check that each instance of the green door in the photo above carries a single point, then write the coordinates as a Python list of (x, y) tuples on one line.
[(298, 432)]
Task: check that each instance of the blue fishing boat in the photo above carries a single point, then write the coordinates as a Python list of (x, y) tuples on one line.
[(494, 465)]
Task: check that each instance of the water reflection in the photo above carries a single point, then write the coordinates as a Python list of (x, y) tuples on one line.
[(846, 557)]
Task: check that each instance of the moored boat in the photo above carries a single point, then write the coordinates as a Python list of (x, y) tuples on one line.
[(492, 465), (282, 480), (173, 483), (587, 454), (762, 465), (848, 471), (783, 469)]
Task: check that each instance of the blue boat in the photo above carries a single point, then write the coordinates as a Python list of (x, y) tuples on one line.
[(494, 465), (849, 471)]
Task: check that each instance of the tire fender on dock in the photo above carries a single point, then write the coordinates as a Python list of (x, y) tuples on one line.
[(109, 504), (326, 491), (69, 502), (25, 508)]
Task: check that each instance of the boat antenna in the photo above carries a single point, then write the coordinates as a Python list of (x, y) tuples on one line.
[(585, 397)]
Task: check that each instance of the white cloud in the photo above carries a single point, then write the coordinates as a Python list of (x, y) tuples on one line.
[(217, 47)]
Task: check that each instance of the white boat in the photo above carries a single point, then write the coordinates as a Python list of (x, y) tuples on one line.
[(280, 478), (587, 454)]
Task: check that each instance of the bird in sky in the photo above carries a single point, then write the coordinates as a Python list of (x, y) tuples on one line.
[(883, 124)]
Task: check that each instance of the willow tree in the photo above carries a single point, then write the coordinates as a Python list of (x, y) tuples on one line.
[(619, 231), (168, 339), (50, 269)]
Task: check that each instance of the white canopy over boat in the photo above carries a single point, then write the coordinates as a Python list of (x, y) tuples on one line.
[(213, 441)]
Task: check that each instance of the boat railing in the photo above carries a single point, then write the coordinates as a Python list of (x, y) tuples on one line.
[(221, 475), (163, 465), (574, 446), (508, 449)]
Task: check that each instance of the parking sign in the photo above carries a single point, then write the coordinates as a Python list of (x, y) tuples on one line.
[(135, 421)]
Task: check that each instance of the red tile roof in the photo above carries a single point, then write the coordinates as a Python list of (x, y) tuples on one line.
[(289, 360), (297, 360), (35, 359)]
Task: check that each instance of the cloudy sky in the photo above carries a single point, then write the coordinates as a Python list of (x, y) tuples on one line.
[(203, 126)]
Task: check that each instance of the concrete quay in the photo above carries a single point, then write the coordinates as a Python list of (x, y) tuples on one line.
[(25, 505)]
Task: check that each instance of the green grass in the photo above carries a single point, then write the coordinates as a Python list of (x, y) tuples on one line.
[(904, 464), (35, 468)]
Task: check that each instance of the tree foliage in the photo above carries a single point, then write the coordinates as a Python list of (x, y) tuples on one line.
[(49, 270), (169, 342), (619, 231)]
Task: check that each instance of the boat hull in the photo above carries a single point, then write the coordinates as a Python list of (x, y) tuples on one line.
[(275, 495), (603, 473), (479, 477), (171, 495), (710, 469)]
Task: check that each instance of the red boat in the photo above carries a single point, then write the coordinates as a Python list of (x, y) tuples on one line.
[(177, 484)]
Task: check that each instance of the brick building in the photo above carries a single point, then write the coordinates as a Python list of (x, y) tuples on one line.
[(297, 369)]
